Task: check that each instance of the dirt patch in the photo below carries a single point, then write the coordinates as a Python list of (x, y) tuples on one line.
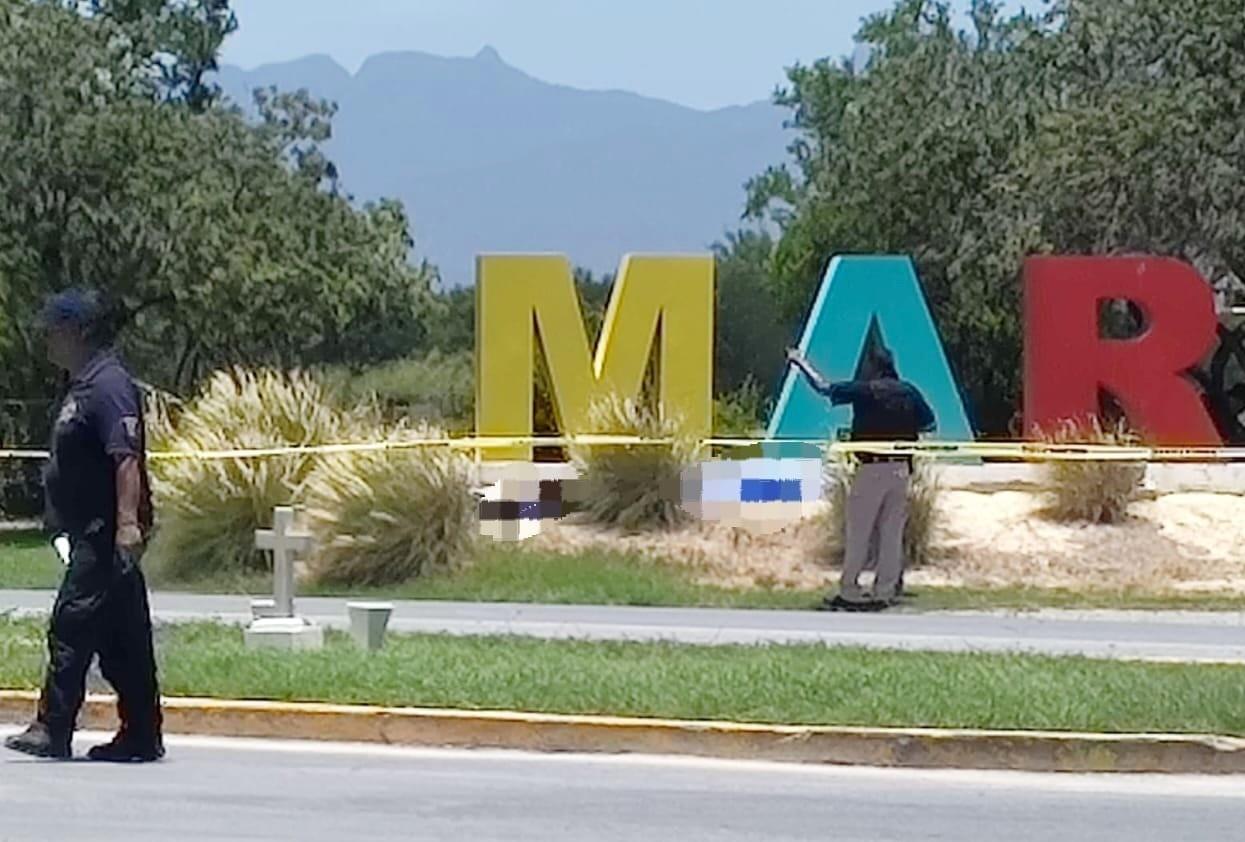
[(1173, 543), (719, 555)]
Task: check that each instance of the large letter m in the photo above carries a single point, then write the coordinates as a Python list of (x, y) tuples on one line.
[(522, 298)]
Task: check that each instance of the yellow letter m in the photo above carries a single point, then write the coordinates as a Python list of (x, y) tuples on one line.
[(522, 298)]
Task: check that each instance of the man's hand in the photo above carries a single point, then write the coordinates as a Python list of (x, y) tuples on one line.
[(129, 537), (794, 356)]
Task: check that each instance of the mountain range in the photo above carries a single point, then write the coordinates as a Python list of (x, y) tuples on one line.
[(489, 159)]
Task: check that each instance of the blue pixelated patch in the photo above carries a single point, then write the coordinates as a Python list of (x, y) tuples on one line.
[(769, 491)]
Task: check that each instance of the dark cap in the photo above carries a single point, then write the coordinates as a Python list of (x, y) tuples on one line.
[(71, 307)]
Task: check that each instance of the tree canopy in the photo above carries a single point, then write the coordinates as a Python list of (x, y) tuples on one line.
[(218, 240), (1093, 126)]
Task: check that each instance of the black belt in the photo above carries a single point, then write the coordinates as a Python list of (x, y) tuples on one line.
[(882, 457)]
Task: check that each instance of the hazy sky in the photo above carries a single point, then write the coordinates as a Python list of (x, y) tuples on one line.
[(703, 53)]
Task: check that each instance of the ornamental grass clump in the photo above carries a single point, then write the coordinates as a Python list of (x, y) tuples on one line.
[(390, 517), (208, 509), (634, 487), (1092, 490)]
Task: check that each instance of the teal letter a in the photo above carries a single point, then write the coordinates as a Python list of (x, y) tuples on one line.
[(856, 292)]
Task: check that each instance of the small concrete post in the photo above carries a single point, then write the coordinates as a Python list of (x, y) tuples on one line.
[(368, 621)]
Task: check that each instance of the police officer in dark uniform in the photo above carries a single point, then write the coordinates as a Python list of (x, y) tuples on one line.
[(98, 496), (884, 408)]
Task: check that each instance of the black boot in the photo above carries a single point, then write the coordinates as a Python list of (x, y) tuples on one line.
[(851, 606), (37, 741), (126, 749)]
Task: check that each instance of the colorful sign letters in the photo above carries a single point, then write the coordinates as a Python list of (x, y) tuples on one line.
[(522, 299)]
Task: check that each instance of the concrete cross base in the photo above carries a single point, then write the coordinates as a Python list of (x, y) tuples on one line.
[(289, 633)]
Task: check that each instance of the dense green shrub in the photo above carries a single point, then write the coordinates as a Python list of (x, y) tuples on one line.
[(438, 388), (740, 412)]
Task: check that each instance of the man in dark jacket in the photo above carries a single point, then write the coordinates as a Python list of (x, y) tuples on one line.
[(884, 408), (98, 497)]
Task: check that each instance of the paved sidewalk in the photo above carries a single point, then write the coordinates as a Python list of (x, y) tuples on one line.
[(259, 790), (1137, 635)]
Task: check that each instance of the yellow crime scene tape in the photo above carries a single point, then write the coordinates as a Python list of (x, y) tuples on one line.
[(1010, 451)]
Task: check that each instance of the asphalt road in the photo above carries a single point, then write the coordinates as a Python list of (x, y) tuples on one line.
[(237, 790), (1159, 636)]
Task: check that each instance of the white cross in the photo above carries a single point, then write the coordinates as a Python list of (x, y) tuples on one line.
[(284, 543)]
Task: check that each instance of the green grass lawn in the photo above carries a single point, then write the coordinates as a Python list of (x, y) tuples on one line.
[(498, 574), (511, 573), (27, 561), (782, 684)]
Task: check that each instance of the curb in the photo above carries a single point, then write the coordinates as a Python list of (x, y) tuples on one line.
[(921, 748)]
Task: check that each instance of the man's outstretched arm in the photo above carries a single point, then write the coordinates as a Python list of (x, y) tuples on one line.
[(848, 391), (819, 383)]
